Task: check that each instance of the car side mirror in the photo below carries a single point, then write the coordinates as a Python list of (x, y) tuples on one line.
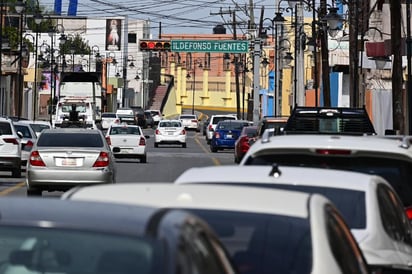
[(20, 134)]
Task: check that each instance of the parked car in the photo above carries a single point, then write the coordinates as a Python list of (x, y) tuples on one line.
[(63, 236), (277, 231), (226, 133), (140, 116), (149, 119), (242, 144), (190, 121), (170, 132), (277, 123), (157, 115), (127, 141), (370, 206), (67, 157), (27, 139), (205, 125), (389, 158), (37, 125), (108, 118), (10, 148), (214, 119)]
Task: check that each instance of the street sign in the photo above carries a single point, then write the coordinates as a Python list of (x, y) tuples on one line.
[(225, 46)]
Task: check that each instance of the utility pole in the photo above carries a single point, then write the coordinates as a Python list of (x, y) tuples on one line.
[(408, 54), (325, 55), (236, 63), (256, 80), (397, 73), (353, 53)]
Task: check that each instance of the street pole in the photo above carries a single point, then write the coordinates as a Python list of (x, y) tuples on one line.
[(408, 54), (20, 65), (193, 87), (300, 70), (125, 55), (256, 79), (315, 53)]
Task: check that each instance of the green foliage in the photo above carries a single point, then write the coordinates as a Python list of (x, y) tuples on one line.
[(75, 45)]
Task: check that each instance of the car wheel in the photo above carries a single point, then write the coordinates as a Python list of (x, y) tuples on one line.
[(156, 145), (34, 192), (184, 145), (143, 159), (237, 160), (213, 148), (16, 172)]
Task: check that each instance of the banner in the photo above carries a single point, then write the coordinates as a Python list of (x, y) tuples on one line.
[(72, 11), (113, 34)]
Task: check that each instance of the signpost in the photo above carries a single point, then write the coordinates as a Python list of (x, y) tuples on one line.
[(225, 46)]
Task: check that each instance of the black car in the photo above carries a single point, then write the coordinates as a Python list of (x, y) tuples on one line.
[(149, 119), (140, 116), (63, 236)]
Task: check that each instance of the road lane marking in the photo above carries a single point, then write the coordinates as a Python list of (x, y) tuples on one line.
[(12, 189), (214, 159)]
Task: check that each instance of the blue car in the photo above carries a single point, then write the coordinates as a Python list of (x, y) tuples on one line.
[(226, 134)]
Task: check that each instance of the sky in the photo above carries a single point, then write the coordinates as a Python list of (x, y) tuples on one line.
[(175, 17)]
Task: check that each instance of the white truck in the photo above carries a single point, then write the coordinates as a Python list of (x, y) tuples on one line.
[(84, 85), (75, 112)]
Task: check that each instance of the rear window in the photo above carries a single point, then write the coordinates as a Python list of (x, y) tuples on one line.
[(70, 140), (216, 120), (260, 243), (230, 125), (170, 124), (39, 127), (396, 172), (24, 130), (108, 115), (5, 128), (125, 130), (188, 117)]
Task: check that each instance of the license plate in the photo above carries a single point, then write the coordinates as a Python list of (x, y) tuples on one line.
[(126, 150), (229, 136), (69, 162), (170, 133)]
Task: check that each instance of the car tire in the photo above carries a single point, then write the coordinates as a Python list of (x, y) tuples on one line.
[(143, 159), (34, 192), (213, 149), (16, 172), (236, 160), (184, 145), (156, 144)]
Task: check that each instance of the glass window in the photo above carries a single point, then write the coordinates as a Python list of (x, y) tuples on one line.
[(70, 140), (5, 128), (108, 115), (263, 243), (40, 250), (396, 172), (343, 245), (24, 130), (39, 127)]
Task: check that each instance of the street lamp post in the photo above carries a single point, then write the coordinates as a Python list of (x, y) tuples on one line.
[(196, 63), (20, 8), (37, 20)]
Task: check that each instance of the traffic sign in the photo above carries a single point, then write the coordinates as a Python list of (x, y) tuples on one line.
[(225, 46)]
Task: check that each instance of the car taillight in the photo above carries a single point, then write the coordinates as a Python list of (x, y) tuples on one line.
[(333, 151), (35, 159), (11, 140), (157, 132), (102, 160), (28, 146), (109, 142), (194, 121), (210, 127), (142, 142), (217, 135), (408, 211), (183, 132)]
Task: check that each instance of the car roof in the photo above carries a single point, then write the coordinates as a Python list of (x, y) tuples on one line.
[(281, 175), (231, 198), (371, 144), (74, 214)]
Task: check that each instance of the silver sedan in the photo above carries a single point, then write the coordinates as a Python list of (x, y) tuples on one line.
[(68, 157)]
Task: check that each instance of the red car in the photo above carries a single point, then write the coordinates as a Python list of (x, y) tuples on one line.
[(242, 144)]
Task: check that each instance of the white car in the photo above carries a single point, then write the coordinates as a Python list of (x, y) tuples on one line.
[(264, 230), (10, 148), (127, 141), (190, 121), (156, 114), (27, 140), (108, 118), (170, 132), (37, 125), (211, 126), (368, 203), (389, 158)]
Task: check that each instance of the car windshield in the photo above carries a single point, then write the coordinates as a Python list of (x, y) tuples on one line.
[(24, 130), (69, 140), (28, 250), (260, 243), (124, 130), (396, 172), (39, 127)]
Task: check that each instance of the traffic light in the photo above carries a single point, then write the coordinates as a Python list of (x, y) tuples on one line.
[(154, 45)]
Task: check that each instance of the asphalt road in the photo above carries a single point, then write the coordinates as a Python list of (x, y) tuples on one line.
[(164, 164)]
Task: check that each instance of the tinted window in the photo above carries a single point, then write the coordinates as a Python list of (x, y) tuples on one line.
[(218, 119), (108, 115), (230, 125), (39, 127), (125, 130), (396, 172), (5, 128), (24, 130), (59, 251), (263, 243), (187, 117), (70, 140)]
